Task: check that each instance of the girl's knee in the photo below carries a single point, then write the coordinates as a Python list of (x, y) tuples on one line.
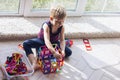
[(25, 43), (68, 53)]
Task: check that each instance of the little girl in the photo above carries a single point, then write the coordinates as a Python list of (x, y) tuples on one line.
[(51, 32)]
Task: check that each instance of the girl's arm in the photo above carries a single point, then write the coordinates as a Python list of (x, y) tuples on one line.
[(47, 41), (47, 38), (62, 41)]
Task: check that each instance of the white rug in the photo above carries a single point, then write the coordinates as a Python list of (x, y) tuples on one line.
[(105, 52), (17, 28), (20, 28)]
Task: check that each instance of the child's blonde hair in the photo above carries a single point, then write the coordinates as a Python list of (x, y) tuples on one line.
[(58, 12)]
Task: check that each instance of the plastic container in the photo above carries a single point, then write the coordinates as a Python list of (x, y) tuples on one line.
[(8, 52)]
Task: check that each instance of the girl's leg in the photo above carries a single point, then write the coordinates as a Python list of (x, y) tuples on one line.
[(1, 73), (28, 45), (68, 52), (32, 43)]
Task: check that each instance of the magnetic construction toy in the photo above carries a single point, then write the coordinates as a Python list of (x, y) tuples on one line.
[(68, 42), (48, 63), (14, 64)]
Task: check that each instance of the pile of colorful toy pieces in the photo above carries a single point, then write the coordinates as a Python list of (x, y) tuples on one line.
[(68, 42), (48, 63), (14, 64)]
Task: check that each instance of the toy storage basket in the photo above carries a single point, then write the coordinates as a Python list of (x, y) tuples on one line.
[(3, 58), (48, 63)]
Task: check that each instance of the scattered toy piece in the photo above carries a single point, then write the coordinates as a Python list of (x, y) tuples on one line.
[(87, 44), (68, 42)]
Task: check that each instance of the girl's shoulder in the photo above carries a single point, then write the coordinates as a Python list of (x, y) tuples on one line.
[(47, 23)]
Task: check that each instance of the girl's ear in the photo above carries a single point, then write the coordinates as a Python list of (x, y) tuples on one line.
[(51, 18)]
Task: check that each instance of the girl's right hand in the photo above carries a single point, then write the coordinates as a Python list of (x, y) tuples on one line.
[(57, 55)]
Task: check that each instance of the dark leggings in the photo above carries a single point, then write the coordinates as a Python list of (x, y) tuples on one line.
[(36, 43)]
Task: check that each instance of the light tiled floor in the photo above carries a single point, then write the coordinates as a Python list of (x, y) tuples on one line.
[(75, 68)]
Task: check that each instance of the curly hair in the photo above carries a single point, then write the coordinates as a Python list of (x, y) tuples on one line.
[(58, 12)]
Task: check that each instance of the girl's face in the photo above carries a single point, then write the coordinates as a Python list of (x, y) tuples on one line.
[(57, 22)]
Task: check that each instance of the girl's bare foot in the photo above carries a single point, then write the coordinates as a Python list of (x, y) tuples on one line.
[(2, 75), (35, 66), (33, 61)]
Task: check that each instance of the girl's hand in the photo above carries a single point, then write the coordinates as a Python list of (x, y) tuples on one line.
[(57, 55), (62, 53)]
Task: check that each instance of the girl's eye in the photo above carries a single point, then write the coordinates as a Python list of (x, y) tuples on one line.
[(59, 21)]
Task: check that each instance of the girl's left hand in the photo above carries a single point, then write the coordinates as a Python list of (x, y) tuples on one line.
[(63, 53)]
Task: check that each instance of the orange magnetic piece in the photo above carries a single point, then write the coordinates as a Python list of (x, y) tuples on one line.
[(20, 46), (17, 56)]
